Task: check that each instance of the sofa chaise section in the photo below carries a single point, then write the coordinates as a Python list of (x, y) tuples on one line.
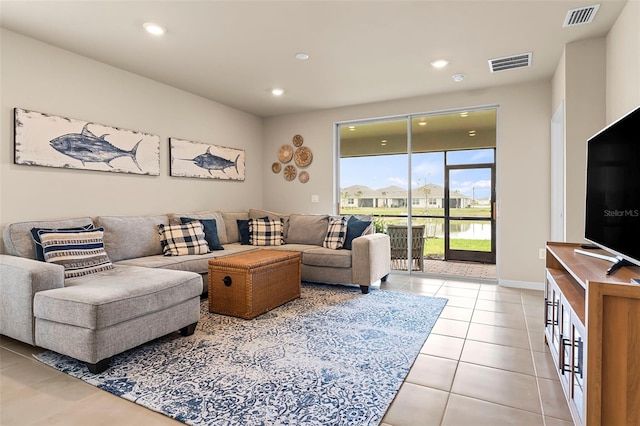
[(119, 309)]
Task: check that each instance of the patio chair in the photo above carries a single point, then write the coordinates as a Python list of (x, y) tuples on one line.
[(399, 252)]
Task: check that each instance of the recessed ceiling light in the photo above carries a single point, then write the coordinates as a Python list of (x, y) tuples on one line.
[(383, 142), (154, 29), (277, 92), (458, 77), (464, 114), (302, 56), (352, 128), (422, 123), (472, 133), (440, 63)]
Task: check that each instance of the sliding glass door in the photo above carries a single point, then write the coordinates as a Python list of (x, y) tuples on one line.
[(428, 181)]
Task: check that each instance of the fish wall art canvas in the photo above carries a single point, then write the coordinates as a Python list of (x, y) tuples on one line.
[(54, 141), (202, 160)]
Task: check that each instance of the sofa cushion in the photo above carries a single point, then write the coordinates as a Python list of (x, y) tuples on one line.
[(174, 219), (320, 256), (38, 243), (355, 229), (265, 232), (231, 225), (126, 237), (115, 296), (336, 233), (194, 263), (210, 231), (180, 240), (80, 252), (307, 229), (19, 242)]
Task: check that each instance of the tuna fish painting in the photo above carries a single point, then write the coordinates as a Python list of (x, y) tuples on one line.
[(53, 141), (89, 148), (201, 160)]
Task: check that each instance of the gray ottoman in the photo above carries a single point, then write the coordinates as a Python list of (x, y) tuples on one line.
[(97, 316)]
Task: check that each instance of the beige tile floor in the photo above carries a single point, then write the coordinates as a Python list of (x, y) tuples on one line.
[(485, 363)]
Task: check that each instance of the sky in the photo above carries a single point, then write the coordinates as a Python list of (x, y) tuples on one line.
[(386, 170)]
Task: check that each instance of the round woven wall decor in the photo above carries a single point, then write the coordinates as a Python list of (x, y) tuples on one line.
[(290, 172)]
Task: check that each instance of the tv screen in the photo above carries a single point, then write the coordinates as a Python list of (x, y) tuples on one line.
[(613, 188)]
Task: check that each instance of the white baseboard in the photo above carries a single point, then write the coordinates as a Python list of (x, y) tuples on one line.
[(522, 284)]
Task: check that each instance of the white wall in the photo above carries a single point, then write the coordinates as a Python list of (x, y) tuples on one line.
[(522, 164), (585, 111), (623, 62), (43, 78)]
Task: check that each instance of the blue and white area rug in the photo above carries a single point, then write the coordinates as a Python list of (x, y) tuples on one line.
[(333, 357)]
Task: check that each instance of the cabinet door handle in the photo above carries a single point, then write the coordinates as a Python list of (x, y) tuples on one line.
[(563, 366), (549, 304), (546, 311)]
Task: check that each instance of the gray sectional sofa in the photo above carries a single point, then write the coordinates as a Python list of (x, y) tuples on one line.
[(146, 294)]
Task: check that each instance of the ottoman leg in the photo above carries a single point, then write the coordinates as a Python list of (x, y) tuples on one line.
[(364, 289), (188, 330), (99, 366)]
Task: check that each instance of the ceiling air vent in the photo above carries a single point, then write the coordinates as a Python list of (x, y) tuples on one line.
[(580, 16), (510, 62)]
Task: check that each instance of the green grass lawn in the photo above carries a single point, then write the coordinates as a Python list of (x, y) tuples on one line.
[(435, 246)]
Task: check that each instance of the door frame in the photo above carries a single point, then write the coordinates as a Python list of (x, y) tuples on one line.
[(469, 255)]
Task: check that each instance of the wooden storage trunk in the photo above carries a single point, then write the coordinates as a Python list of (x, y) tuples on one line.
[(249, 284)]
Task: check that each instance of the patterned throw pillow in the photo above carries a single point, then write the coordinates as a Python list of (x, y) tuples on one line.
[(266, 232), (38, 243), (336, 233), (81, 252), (180, 240), (210, 231)]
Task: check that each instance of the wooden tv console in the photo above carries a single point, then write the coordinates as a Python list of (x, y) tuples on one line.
[(592, 327)]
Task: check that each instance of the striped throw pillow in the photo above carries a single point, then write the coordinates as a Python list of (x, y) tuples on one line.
[(80, 253), (180, 240), (266, 232), (336, 233)]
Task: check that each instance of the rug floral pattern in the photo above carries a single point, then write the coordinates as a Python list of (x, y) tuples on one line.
[(332, 357)]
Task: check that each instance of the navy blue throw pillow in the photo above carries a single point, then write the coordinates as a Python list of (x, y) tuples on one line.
[(355, 228), (243, 230), (210, 231)]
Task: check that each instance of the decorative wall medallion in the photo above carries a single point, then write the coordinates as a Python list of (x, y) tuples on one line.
[(285, 153), (290, 172), (303, 176), (202, 160), (53, 141), (298, 140), (276, 167), (303, 156)]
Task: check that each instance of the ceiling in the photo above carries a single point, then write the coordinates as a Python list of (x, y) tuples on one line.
[(235, 52)]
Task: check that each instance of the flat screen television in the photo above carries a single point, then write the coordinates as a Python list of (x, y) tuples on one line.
[(612, 210)]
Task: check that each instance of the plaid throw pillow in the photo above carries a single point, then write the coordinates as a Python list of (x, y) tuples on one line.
[(336, 233), (265, 232), (180, 240), (80, 253)]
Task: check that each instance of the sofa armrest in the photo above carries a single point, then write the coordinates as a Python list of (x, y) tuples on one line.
[(370, 258), (20, 280)]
